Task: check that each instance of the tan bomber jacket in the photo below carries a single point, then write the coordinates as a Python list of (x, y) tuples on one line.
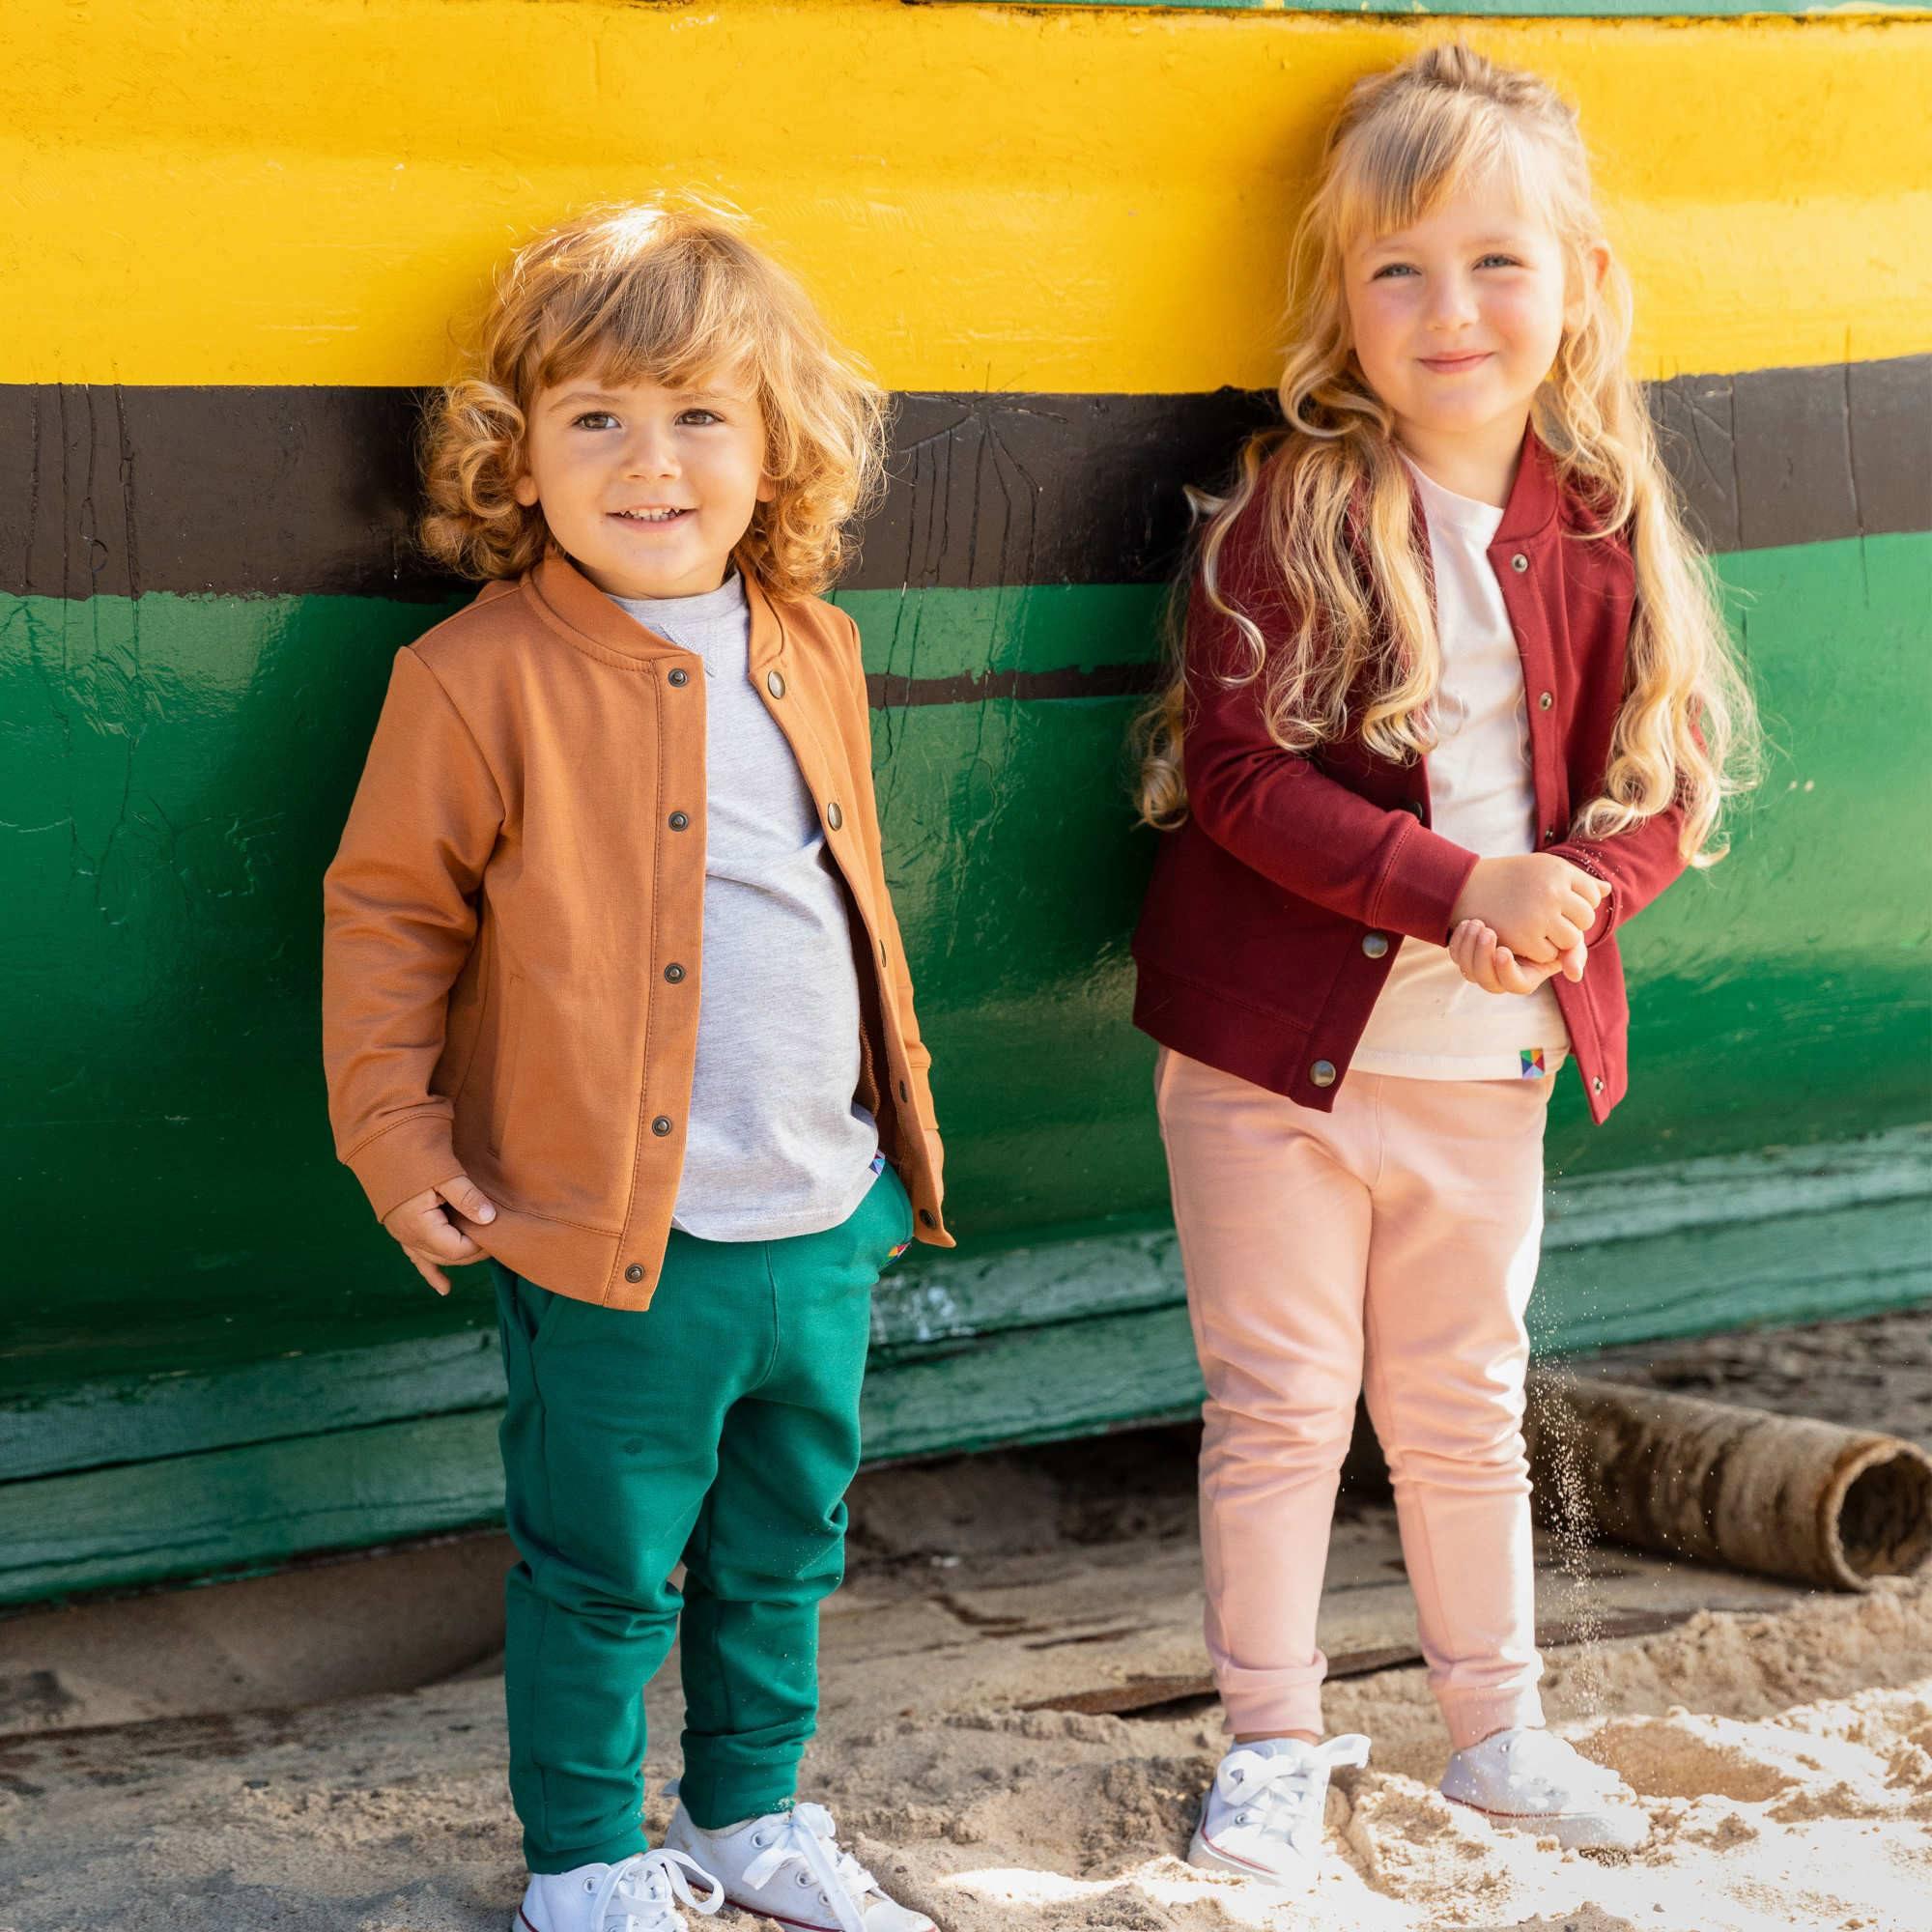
[(513, 925)]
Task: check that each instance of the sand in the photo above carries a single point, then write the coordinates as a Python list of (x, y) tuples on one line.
[(1780, 1747), (1785, 1763)]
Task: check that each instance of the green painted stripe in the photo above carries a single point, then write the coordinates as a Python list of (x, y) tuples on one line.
[(931, 1305), (256, 1506), (173, 775)]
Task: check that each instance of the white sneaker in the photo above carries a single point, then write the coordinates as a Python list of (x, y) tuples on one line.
[(1262, 1815), (789, 1868), (1532, 1780), (640, 1894)]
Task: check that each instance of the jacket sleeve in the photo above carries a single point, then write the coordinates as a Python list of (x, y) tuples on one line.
[(1637, 866), (398, 922), (1275, 811)]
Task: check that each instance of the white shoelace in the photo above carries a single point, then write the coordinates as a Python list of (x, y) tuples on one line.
[(651, 1877), (807, 1837), (1298, 1781)]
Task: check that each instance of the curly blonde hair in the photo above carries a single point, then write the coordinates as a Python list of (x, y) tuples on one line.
[(667, 290), (1405, 142)]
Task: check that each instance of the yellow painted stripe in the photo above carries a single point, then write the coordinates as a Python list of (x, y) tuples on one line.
[(303, 191)]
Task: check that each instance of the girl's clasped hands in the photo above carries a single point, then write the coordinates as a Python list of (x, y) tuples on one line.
[(1522, 920)]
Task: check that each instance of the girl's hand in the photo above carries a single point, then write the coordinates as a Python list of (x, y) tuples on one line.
[(1482, 960), (1538, 906), (429, 1236)]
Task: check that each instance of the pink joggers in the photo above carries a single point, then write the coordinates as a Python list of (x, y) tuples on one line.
[(1391, 1245)]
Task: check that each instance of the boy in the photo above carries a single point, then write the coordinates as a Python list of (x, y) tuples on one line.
[(613, 996)]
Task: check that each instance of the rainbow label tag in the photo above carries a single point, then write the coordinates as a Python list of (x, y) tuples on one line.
[(1532, 1062)]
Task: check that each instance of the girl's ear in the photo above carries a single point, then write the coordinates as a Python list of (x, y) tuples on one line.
[(1594, 264), (768, 490), (525, 490)]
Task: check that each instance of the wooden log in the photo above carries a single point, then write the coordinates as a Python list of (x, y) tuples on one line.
[(1783, 1496)]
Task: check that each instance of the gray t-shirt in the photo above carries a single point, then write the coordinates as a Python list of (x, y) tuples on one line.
[(775, 1144)]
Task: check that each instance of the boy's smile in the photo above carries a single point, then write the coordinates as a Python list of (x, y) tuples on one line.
[(649, 490)]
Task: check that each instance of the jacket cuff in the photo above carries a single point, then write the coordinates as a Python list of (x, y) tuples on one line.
[(1585, 859), (1421, 883), (404, 1160)]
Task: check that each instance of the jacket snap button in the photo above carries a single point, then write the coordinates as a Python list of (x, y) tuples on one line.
[(1550, 836), (882, 952), (905, 1091), (1597, 1085), (775, 684), (833, 817), (1374, 944), (925, 1219), (680, 677), (1545, 702), (634, 1272), (679, 820), (661, 1125), (1412, 804), (1322, 1073), (673, 972), (1519, 563)]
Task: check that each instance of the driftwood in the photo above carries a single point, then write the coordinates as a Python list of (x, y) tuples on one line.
[(1783, 1496), (1777, 1495)]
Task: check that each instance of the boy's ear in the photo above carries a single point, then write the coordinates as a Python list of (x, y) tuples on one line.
[(768, 490), (525, 490)]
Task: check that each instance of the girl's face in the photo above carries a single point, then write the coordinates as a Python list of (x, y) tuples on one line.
[(648, 488), (1457, 321)]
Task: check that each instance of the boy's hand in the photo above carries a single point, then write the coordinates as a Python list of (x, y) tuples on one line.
[(1482, 960), (1538, 906), (429, 1236)]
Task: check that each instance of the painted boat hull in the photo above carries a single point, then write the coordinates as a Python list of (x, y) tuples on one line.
[(212, 1359)]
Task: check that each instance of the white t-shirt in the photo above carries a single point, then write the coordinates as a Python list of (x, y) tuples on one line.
[(775, 1144), (1430, 1022)]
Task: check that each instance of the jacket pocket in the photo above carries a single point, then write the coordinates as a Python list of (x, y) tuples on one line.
[(505, 1093), (468, 1013)]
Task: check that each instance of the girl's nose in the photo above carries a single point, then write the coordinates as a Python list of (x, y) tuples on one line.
[(1451, 305)]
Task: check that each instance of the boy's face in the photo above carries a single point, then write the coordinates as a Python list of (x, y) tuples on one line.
[(647, 489)]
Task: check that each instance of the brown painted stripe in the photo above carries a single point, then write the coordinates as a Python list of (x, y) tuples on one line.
[(1114, 680), (297, 492)]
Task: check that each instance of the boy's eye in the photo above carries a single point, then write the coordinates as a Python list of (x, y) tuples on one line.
[(592, 419), (1498, 260), (701, 416), (1389, 268)]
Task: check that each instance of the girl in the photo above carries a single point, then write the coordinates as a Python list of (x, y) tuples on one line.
[(1455, 702), (614, 995)]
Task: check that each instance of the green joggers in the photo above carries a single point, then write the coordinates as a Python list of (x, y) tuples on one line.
[(718, 1429)]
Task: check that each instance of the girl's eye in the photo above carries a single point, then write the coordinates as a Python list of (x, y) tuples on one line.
[(592, 419), (1389, 268), (701, 416), (1500, 261)]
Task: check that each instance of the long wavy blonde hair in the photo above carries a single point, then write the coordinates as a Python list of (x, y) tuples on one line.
[(668, 291), (1338, 495)]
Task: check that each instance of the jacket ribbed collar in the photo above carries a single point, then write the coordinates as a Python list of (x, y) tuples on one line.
[(572, 605)]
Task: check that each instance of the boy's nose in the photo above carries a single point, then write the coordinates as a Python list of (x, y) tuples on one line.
[(652, 455)]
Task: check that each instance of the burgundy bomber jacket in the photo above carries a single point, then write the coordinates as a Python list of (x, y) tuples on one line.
[(1276, 911)]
